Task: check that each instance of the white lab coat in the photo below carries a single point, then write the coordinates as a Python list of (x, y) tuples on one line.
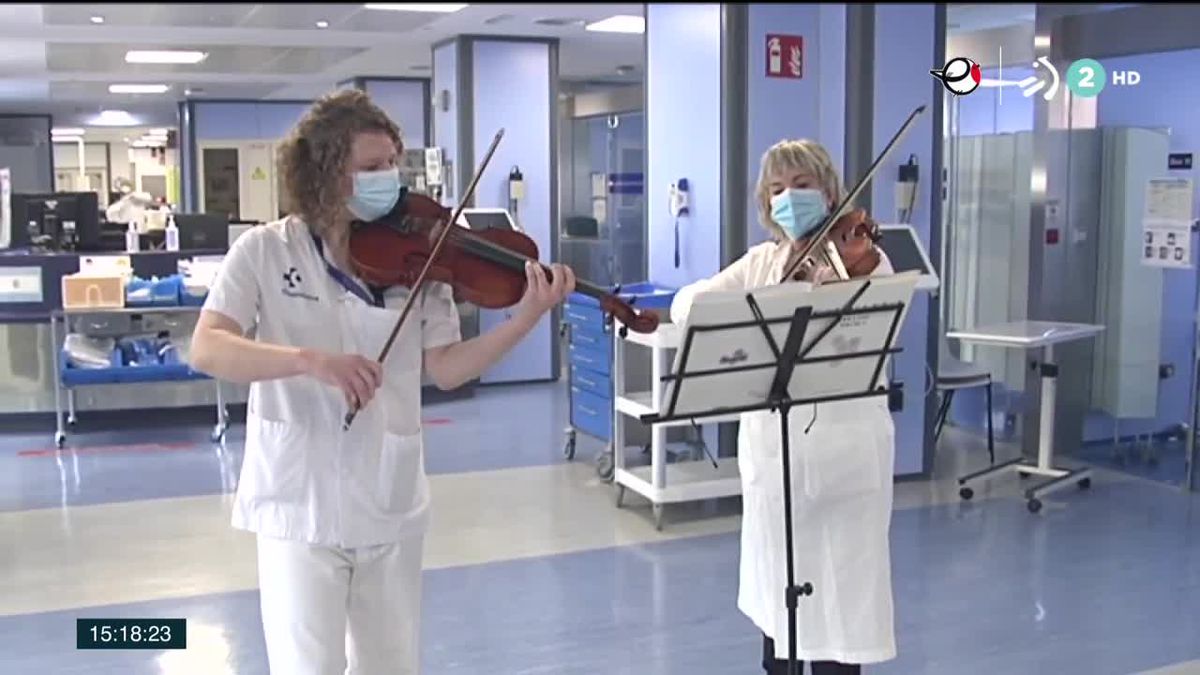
[(841, 503), (304, 478), (324, 501)]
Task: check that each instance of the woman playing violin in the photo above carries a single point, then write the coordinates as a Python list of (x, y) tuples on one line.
[(842, 452), (340, 515)]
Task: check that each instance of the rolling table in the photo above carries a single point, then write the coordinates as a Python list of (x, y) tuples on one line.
[(662, 482), (1033, 335)]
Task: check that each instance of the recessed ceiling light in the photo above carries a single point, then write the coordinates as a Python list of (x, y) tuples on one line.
[(622, 23), (97, 19), (322, 24), (624, 70), (67, 139), (158, 132), (164, 56), (443, 7), (67, 131), (114, 118), (137, 88), (193, 91)]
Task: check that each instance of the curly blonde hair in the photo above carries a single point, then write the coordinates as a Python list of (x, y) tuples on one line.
[(803, 155), (314, 156)]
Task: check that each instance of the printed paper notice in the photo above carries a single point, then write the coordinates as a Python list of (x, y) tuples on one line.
[(1167, 223)]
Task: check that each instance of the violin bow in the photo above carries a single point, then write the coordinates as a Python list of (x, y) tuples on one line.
[(437, 247), (844, 208)]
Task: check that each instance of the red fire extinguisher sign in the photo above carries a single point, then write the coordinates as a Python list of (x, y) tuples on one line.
[(785, 56)]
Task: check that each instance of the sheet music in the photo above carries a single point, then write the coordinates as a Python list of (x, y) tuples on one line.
[(732, 367)]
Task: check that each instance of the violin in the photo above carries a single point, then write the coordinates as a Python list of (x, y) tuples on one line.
[(854, 237), (485, 268), (846, 239)]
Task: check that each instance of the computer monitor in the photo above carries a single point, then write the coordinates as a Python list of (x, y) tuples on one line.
[(58, 221), (203, 231), (904, 250), (484, 219)]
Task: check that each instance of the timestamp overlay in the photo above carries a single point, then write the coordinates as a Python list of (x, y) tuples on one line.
[(131, 633)]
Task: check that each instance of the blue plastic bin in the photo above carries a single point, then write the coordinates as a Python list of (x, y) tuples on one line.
[(157, 293)]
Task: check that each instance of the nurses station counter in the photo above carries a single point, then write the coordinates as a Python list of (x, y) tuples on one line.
[(145, 337), (99, 320)]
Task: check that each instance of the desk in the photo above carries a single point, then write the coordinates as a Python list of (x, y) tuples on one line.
[(1033, 335)]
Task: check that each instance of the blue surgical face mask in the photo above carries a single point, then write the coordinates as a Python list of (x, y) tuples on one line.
[(798, 210), (375, 193)]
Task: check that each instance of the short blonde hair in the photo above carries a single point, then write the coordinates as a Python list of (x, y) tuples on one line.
[(803, 155)]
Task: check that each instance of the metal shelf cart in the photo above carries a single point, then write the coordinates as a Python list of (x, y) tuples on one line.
[(110, 322)]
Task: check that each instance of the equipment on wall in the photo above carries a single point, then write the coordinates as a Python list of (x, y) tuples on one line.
[(516, 192), (680, 203), (906, 190)]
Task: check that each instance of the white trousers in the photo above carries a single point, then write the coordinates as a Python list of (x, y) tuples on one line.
[(333, 611)]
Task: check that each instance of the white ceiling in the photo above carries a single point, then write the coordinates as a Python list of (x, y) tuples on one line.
[(55, 60)]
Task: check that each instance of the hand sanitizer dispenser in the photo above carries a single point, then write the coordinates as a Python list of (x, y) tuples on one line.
[(132, 239), (172, 234)]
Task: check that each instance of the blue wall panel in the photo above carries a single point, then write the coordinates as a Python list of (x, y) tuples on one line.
[(445, 122), (247, 121), (904, 50), (512, 90), (683, 93), (404, 102), (1167, 96)]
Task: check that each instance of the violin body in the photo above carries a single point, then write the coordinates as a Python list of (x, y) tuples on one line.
[(386, 258), (854, 236), (485, 268)]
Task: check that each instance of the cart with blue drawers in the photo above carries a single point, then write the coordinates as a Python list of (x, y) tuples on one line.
[(591, 365), (151, 307)]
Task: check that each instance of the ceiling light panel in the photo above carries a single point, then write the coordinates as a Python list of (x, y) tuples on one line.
[(67, 131), (138, 88), (622, 23), (165, 56)]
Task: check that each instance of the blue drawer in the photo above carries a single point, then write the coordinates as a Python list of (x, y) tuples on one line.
[(592, 382), (586, 316), (592, 340), (591, 414), (590, 359)]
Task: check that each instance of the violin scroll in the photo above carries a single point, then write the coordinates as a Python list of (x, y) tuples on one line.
[(639, 322)]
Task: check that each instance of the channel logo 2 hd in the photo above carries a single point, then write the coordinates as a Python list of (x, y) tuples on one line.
[(1085, 78)]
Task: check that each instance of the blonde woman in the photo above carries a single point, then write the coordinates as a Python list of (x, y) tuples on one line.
[(340, 516), (841, 459)]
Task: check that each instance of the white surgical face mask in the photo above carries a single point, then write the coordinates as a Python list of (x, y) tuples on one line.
[(798, 211), (375, 193)]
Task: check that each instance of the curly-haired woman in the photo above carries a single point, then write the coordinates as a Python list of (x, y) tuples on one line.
[(340, 516)]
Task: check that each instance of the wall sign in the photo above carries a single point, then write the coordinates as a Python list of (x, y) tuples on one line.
[(1167, 223), (785, 56), (1179, 160)]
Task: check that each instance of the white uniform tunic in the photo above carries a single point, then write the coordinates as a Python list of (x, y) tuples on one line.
[(303, 477), (841, 502)]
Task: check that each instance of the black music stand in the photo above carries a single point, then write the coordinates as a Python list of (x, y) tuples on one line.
[(843, 322)]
